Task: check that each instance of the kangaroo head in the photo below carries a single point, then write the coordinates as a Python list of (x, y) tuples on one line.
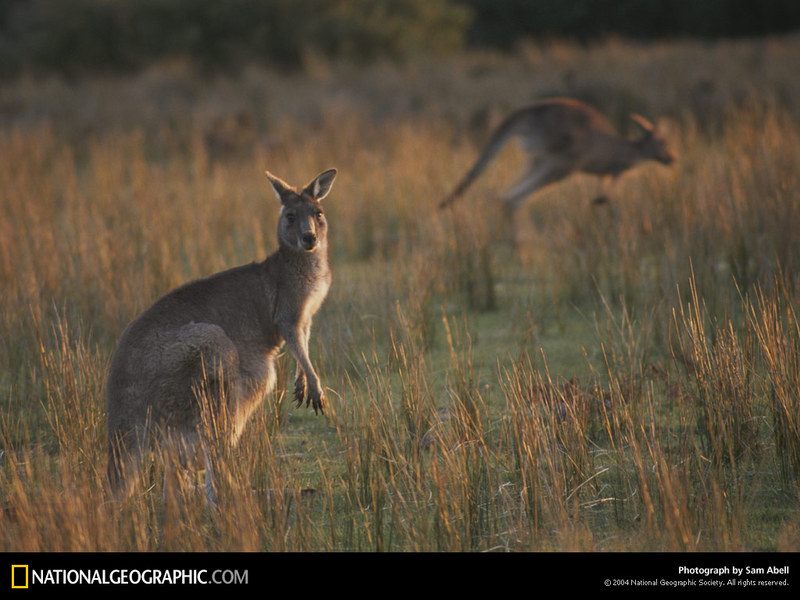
[(650, 144), (302, 225)]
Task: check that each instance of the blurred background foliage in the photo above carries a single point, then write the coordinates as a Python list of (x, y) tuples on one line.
[(91, 36)]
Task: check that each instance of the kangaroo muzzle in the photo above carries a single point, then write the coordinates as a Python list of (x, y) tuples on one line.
[(308, 241)]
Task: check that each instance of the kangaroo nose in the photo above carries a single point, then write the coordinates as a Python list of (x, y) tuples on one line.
[(309, 239)]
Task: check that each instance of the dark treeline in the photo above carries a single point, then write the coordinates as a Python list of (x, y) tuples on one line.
[(78, 36), (102, 35), (502, 23)]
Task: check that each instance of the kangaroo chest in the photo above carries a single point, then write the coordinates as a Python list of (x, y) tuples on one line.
[(296, 284), (299, 298), (315, 295)]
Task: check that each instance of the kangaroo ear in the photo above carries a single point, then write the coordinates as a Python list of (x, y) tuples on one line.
[(644, 126), (321, 185), (279, 186)]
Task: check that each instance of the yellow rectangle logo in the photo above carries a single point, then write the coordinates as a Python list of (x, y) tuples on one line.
[(19, 577)]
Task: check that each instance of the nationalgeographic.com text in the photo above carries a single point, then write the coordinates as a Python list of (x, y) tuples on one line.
[(138, 577)]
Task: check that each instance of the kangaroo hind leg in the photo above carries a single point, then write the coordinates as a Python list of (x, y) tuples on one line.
[(539, 175)]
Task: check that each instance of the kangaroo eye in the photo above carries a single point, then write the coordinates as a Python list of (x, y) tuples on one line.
[(319, 214), (290, 217)]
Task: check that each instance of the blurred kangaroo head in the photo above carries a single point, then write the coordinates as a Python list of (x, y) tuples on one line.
[(651, 143), (302, 225)]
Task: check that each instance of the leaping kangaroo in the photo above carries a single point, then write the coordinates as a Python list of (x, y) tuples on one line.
[(564, 136)]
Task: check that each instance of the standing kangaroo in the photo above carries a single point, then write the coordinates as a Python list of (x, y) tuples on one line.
[(564, 136), (207, 349)]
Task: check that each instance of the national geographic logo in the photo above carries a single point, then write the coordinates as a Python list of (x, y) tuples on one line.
[(19, 577), (23, 577)]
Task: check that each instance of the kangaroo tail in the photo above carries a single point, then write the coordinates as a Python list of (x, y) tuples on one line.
[(122, 457), (504, 132)]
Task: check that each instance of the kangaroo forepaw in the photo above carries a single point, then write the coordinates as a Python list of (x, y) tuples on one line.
[(300, 390), (314, 398), (317, 400)]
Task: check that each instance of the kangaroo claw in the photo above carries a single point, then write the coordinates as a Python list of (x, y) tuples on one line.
[(317, 402), (299, 393), (313, 398)]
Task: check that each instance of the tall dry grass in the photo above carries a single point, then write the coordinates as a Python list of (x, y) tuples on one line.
[(616, 378)]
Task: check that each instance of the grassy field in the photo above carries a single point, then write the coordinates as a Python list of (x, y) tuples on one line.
[(619, 377)]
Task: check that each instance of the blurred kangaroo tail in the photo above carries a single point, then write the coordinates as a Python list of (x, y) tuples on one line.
[(504, 132)]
